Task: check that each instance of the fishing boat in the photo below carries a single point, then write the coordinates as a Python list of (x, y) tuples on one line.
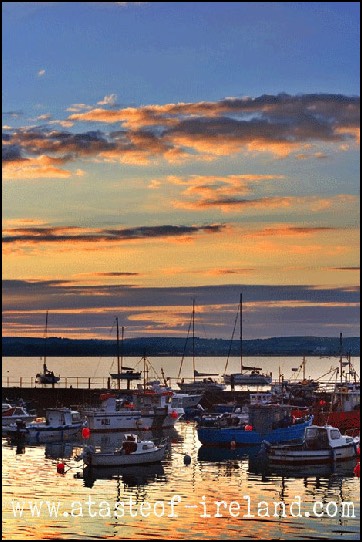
[(13, 413), (59, 424), (248, 376), (187, 401), (343, 409), (123, 373), (202, 382), (133, 451), (271, 422), (46, 377), (141, 409), (321, 444)]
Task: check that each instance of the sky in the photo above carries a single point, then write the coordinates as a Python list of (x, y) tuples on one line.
[(160, 153)]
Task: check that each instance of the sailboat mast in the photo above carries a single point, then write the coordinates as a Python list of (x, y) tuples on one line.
[(193, 337), (118, 362), (45, 343), (241, 333), (340, 357)]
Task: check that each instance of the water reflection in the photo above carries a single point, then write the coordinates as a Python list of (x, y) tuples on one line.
[(131, 476)]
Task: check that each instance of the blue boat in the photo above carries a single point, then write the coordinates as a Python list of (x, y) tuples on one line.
[(271, 422)]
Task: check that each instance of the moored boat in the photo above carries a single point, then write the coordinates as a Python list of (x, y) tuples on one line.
[(270, 422), (133, 451), (142, 409), (12, 414), (59, 424), (321, 444)]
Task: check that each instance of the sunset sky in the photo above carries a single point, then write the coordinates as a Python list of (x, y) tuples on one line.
[(158, 152)]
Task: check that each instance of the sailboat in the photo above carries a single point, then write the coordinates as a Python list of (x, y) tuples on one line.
[(123, 373), (46, 377), (248, 375), (207, 384)]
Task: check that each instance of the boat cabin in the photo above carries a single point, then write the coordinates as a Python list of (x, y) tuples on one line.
[(61, 416), (347, 397), (323, 438)]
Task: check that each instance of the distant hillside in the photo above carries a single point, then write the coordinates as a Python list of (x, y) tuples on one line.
[(164, 346)]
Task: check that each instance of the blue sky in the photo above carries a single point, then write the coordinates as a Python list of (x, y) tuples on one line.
[(186, 146)]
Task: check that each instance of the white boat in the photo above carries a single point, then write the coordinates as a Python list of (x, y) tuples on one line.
[(133, 451), (146, 409), (178, 400), (321, 444), (12, 414), (252, 378), (59, 424)]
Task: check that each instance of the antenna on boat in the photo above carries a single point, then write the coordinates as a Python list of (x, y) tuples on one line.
[(340, 356)]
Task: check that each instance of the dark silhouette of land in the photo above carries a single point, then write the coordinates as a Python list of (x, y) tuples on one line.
[(165, 346)]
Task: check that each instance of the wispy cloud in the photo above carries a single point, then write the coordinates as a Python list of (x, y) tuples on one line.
[(111, 100), (73, 235)]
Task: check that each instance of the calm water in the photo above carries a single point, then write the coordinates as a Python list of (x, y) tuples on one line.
[(238, 478), (97, 369)]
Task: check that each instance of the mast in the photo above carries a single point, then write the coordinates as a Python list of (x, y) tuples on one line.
[(45, 343), (340, 357), (193, 337), (303, 366), (241, 333), (118, 362)]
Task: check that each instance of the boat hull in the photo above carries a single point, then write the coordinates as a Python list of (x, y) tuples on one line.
[(121, 460), (42, 434), (114, 422), (248, 380), (311, 457), (210, 436)]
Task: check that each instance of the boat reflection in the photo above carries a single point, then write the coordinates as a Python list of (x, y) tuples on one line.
[(60, 450), (220, 454), (132, 476), (339, 470)]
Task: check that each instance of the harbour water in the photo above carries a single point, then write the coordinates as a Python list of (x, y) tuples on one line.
[(78, 371), (222, 494), (137, 503)]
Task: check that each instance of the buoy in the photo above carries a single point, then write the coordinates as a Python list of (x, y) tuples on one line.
[(174, 414), (60, 468), (322, 402), (187, 459), (233, 444), (356, 470), (85, 432), (248, 428)]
